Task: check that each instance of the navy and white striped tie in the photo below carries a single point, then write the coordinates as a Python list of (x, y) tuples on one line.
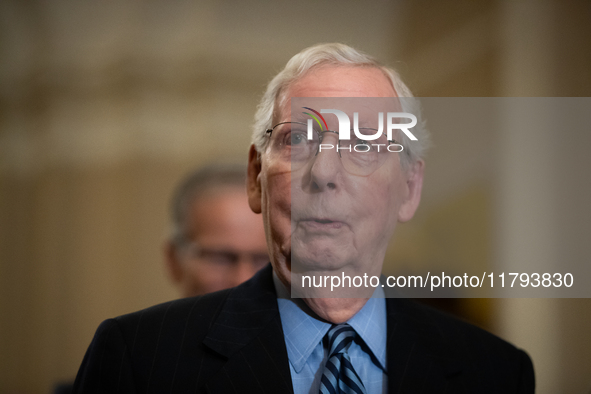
[(339, 375)]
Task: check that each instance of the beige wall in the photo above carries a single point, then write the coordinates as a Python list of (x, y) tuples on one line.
[(104, 106)]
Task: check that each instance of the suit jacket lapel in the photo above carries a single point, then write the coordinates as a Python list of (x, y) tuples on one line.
[(249, 334), (419, 360)]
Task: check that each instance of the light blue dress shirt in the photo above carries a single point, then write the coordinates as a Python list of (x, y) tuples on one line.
[(303, 339)]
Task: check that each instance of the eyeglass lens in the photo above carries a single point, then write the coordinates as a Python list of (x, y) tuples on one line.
[(290, 144)]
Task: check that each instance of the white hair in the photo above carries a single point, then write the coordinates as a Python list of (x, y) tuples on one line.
[(335, 54)]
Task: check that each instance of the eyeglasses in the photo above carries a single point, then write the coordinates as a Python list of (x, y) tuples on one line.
[(289, 143), (224, 258)]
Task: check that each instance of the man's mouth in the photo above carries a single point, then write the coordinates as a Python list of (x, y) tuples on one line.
[(321, 223)]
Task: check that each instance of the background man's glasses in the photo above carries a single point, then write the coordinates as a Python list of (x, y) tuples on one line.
[(224, 258), (289, 143)]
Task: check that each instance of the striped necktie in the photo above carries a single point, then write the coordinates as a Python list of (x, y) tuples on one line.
[(339, 375)]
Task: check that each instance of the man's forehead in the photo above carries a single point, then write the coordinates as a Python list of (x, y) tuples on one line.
[(361, 111), (340, 81), (343, 81)]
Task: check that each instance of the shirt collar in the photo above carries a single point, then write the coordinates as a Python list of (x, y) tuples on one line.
[(303, 332)]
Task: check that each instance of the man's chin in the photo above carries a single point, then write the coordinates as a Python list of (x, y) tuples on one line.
[(322, 276), (323, 263), (314, 285), (320, 256)]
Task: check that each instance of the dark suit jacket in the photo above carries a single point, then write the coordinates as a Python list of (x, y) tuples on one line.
[(232, 342)]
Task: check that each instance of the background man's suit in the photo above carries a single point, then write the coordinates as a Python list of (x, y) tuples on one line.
[(232, 342)]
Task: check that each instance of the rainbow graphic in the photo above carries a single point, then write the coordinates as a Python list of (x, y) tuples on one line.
[(316, 118)]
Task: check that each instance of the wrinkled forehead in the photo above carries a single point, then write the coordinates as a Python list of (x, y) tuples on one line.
[(337, 81), (325, 111)]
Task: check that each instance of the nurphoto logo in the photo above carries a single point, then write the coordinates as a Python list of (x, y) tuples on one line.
[(375, 134)]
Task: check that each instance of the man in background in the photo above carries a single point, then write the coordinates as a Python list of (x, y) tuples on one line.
[(217, 242)]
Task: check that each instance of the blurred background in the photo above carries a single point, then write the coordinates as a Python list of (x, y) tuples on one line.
[(104, 106)]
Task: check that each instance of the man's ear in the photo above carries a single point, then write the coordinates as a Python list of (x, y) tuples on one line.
[(253, 183), (414, 184), (173, 263)]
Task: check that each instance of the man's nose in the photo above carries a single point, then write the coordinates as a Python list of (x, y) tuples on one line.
[(327, 164)]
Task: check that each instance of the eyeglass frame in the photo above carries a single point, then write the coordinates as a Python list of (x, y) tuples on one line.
[(269, 131), (196, 252)]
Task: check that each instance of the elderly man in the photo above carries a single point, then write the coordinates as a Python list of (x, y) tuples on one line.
[(217, 242), (325, 212)]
